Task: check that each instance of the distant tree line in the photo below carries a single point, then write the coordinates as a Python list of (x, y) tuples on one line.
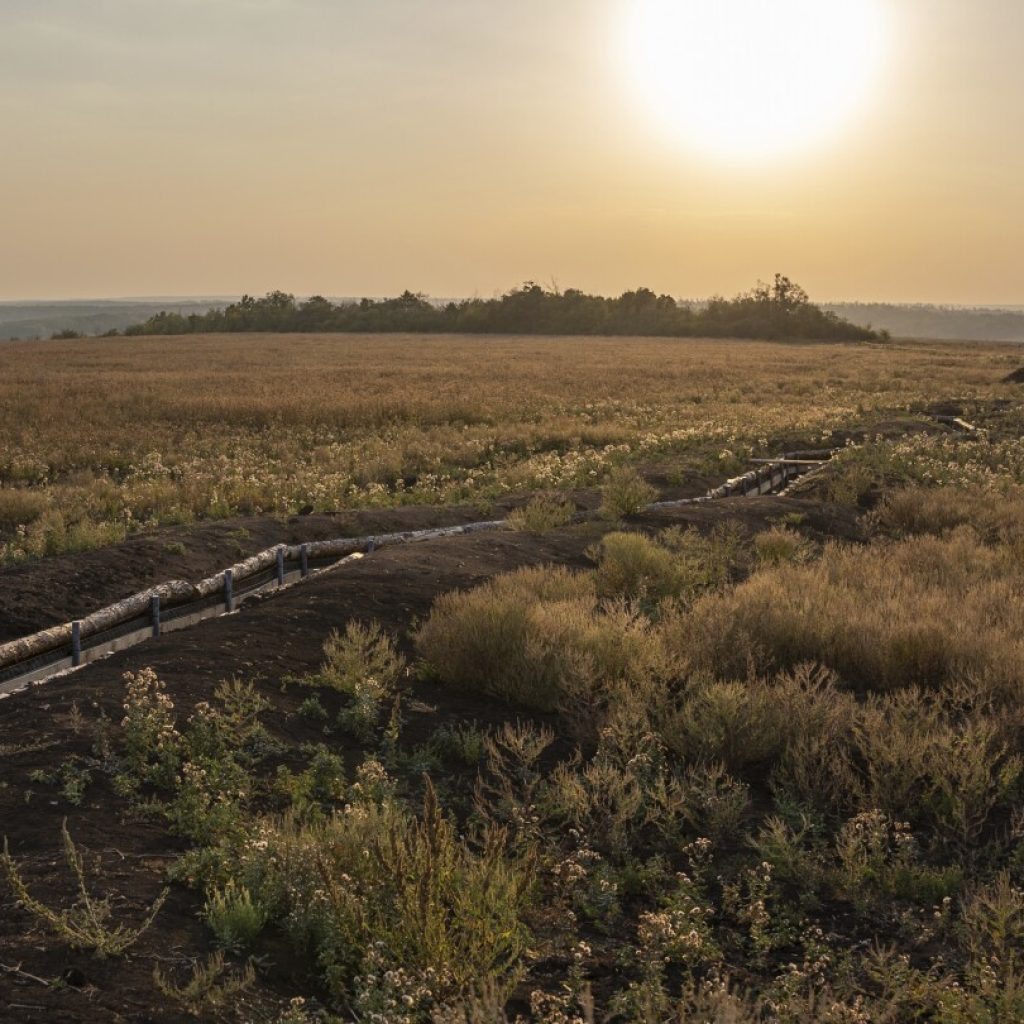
[(780, 310)]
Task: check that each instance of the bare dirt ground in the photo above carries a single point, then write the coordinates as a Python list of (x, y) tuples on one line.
[(269, 638)]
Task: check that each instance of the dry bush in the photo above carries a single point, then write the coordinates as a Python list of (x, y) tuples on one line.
[(540, 638), (485, 639), (624, 493), (924, 610), (709, 560), (19, 507), (927, 764), (913, 511), (88, 924), (541, 514), (757, 721), (779, 545), (632, 566)]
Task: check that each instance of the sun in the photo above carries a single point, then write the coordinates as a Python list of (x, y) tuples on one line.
[(754, 79)]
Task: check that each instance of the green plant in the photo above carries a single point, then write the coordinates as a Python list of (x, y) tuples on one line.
[(624, 493), (378, 889), (630, 565), (152, 743), (462, 744), (541, 514), (209, 989), (313, 709), (361, 662), (234, 917), (87, 924), (780, 545), (539, 637)]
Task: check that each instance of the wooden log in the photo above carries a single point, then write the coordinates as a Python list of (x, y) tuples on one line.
[(174, 592), (792, 462), (240, 571), (327, 548), (29, 646)]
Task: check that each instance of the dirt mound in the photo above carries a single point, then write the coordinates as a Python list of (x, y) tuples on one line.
[(265, 640), (48, 592)]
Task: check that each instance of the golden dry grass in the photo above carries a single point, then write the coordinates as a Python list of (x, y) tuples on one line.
[(122, 433)]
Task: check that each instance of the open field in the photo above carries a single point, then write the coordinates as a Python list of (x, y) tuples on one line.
[(752, 761), (101, 438)]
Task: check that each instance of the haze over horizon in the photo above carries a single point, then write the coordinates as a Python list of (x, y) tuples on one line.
[(462, 147)]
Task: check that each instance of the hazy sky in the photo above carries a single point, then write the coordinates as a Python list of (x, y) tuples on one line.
[(350, 147)]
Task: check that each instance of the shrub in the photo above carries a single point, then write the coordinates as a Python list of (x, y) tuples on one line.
[(779, 545), (928, 765), (86, 925), (234, 917), (756, 721), (925, 610), (363, 657), (632, 566), (538, 637), (379, 890), (486, 639), (541, 514), (624, 493), (20, 507), (937, 511), (210, 989), (708, 561), (735, 723)]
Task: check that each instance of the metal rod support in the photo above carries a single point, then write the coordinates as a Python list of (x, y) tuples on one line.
[(76, 643)]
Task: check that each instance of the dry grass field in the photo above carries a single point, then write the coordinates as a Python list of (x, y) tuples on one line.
[(751, 761), (101, 438)]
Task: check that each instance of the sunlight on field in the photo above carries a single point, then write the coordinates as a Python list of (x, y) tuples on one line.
[(104, 437)]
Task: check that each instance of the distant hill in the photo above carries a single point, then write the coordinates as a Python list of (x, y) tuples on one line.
[(28, 320), (951, 323)]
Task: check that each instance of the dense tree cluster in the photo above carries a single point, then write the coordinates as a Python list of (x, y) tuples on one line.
[(777, 310)]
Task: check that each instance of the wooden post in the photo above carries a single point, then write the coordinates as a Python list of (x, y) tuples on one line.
[(154, 612), (304, 559), (229, 590), (280, 566), (76, 643)]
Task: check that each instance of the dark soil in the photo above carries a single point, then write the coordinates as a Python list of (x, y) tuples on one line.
[(267, 639), (55, 590), (51, 591)]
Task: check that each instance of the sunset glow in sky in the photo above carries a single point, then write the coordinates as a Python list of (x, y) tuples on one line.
[(869, 149)]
